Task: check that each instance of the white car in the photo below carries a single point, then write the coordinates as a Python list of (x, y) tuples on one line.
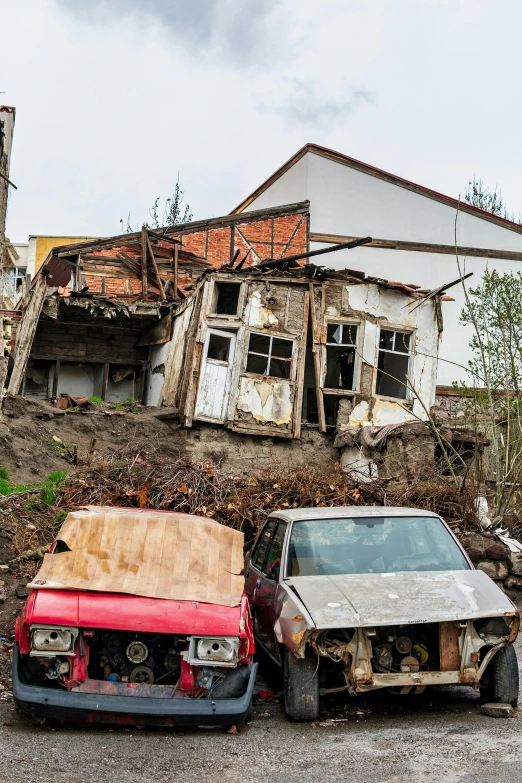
[(359, 598)]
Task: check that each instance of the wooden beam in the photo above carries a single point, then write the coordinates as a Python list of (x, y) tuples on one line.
[(420, 247), (175, 264), (317, 364), (25, 334), (105, 380), (160, 284), (164, 238), (144, 284), (299, 380), (189, 228), (56, 378)]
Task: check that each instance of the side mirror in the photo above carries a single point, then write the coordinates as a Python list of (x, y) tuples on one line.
[(274, 573)]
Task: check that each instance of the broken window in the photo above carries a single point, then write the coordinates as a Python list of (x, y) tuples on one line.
[(341, 342), (263, 542), (218, 348), (227, 298), (269, 355), (393, 364)]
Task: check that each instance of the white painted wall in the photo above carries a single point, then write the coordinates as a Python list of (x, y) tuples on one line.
[(158, 354), (347, 202)]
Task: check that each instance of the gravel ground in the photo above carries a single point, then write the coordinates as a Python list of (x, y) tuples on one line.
[(439, 736)]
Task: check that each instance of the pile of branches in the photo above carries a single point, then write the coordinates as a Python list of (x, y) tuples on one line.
[(144, 479), (148, 480)]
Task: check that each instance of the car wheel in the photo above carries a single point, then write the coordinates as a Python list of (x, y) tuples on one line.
[(500, 682), (301, 684)]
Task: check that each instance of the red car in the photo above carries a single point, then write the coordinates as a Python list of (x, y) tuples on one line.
[(110, 656)]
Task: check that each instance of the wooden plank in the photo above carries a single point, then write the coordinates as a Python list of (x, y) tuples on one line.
[(449, 647), (25, 334), (420, 247), (56, 378), (317, 363), (144, 282), (299, 381), (262, 430), (105, 380), (176, 272), (164, 238), (155, 266), (188, 359)]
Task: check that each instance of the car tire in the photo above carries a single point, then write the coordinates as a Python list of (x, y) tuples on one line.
[(301, 686), (501, 678)]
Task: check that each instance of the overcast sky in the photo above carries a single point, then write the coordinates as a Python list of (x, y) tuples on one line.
[(115, 97)]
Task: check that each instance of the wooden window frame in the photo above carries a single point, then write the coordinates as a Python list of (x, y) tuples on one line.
[(411, 354), (269, 356)]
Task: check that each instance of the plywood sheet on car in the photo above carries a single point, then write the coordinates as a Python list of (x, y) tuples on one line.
[(149, 553)]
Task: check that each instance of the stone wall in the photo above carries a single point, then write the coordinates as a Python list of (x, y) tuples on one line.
[(494, 558), (239, 453)]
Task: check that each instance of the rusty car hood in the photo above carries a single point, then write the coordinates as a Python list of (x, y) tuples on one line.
[(361, 600)]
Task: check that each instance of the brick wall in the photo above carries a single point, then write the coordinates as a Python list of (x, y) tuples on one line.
[(271, 237)]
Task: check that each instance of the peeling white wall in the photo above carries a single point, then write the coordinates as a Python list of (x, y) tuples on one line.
[(348, 202), (396, 310), (158, 354), (257, 316), (267, 401)]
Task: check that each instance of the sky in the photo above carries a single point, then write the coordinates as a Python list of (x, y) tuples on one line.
[(117, 98)]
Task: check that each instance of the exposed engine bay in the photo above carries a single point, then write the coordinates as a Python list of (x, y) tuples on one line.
[(408, 656), (180, 665), (138, 658), (410, 648)]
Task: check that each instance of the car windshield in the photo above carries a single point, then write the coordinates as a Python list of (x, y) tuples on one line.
[(372, 545)]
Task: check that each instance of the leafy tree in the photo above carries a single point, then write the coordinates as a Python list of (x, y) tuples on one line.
[(479, 195), (494, 310)]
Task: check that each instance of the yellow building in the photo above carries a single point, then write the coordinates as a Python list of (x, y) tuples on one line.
[(41, 246)]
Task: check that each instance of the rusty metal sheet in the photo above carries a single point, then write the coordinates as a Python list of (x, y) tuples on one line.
[(148, 553), (360, 600)]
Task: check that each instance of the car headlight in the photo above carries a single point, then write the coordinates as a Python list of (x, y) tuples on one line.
[(52, 639), (209, 650)]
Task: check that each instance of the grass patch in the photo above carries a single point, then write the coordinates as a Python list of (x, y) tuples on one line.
[(128, 404), (96, 400), (50, 487)]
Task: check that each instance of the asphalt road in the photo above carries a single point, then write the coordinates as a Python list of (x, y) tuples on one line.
[(440, 736)]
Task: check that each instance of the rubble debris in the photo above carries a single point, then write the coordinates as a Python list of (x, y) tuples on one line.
[(494, 710)]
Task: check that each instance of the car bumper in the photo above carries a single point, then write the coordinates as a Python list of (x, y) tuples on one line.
[(104, 708)]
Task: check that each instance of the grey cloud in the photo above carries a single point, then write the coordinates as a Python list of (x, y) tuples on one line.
[(232, 30), (304, 106)]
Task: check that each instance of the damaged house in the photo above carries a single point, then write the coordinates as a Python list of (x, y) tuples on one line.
[(252, 348)]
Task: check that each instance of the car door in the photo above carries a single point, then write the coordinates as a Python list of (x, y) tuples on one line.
[(266, 566)]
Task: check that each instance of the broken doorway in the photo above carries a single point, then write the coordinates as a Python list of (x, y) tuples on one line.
[(215, 376)]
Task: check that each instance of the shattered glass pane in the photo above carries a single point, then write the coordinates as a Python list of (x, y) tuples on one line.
[(334, 333)]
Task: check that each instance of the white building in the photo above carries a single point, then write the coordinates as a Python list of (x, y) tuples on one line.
[(413, 231)]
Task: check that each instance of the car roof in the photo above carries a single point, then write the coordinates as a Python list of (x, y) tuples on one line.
[(294, 514)]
